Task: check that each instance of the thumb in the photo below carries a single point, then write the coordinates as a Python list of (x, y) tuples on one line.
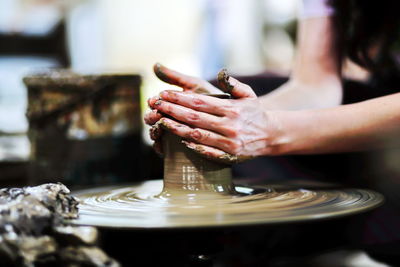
[(173, 77), (233, 87), (186, 82)]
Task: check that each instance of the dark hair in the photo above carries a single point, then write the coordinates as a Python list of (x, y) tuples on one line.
[(366, 25)]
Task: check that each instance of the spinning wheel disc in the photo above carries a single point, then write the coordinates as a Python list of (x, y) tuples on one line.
[(142, 206)]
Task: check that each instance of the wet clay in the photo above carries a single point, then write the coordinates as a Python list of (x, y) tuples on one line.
[(187, 172)]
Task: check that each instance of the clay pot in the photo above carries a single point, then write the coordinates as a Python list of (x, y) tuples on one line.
[(186, 172)]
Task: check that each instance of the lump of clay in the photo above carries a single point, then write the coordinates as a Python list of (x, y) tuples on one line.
[(33, 231)]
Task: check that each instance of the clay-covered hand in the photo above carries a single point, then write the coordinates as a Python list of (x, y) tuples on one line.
[(228, 130), (187, 83)]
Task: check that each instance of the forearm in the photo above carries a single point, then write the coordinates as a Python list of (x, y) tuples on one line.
[(356, 127), (315, 80), (317, 58)]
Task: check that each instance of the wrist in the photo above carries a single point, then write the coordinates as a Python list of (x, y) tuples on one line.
[(317, 54), (293, 132)]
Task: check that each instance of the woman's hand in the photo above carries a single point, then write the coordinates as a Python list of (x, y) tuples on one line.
[(187, 83), (224, 129)]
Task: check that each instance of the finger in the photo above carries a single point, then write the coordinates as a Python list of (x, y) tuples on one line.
[(152, 100), (198, 135), (156, 131), (214, 154), (175, 78), (192, 117), (197, 102), (184, 81), (151, 117), (232, 86)]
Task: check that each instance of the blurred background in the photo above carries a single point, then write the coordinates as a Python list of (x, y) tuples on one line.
[(82, 125), (197, 37)]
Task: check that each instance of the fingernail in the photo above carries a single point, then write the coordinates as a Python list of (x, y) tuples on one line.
[(164, 124), (158, 102), (158, 70), (159, 97), (163, 94), (151, 101), (157, 66), (186, 143)]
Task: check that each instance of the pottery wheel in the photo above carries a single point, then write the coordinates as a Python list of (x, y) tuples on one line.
[(197, 192), (140, 206)]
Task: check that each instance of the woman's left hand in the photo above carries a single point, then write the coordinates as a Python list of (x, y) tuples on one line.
[(223, 129)]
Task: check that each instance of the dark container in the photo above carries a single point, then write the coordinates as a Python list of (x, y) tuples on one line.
[(84, 129)]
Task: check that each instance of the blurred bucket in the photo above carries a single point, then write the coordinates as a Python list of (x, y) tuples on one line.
[(84, 129)]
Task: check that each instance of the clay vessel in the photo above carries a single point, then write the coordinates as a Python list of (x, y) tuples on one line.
[(185, 172)]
